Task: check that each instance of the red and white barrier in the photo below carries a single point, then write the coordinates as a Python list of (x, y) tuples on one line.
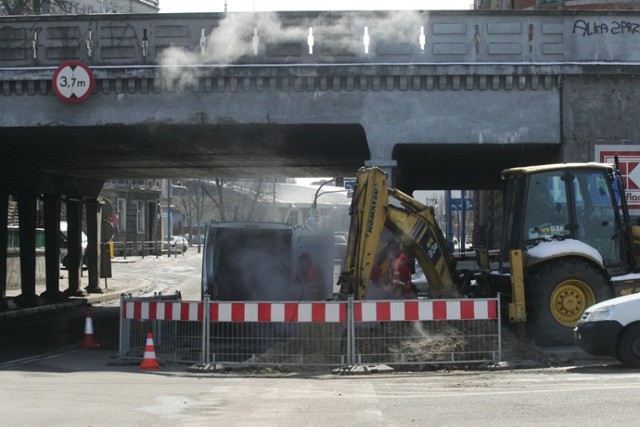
[(322, 311), (326, 312), (160, 310), (235, 331), (380, 311)]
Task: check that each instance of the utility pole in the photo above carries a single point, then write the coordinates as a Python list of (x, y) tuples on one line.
[(447, 204), (169, 217), (199, 203)]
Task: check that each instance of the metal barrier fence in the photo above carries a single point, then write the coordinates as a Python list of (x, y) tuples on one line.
[(326, 333), (139, 248), (426, 332), (177, 328), (143, 248)]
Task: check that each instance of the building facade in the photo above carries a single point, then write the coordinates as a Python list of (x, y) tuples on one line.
[(109, 6), (132, 209), (557, 4), (77, 7)]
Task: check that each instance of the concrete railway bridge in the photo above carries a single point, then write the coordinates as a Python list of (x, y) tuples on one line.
[(438, 99)]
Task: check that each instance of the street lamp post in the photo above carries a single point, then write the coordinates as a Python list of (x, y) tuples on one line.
[(182, 187), (169, 217), (313, 214), (312, 218), (199, 204)]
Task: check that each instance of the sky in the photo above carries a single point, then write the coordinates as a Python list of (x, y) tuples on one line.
[(171, 6)]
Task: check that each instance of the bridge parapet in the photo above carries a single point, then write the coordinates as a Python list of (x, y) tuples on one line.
[(394, 37)]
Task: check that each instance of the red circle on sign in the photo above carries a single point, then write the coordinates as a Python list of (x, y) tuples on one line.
[(73, 81)]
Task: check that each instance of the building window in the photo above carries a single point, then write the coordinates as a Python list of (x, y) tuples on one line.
[(140, 216), (121, 210)]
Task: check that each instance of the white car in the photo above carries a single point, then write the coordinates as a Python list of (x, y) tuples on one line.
[(64, 250), (179, 242), (612, 328)]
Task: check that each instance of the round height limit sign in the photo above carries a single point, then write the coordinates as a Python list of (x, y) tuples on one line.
[(73, 81)]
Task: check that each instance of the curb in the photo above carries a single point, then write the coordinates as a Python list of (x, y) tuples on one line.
[(72, 302), (514, 364), (206, 367), (363, 370)]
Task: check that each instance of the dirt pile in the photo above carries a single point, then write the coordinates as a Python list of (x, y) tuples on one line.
[(513, 348), (415, 343), (425, 347)]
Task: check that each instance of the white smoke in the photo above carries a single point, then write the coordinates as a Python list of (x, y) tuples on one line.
[(247, 34)]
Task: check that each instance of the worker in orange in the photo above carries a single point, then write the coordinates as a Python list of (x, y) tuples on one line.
[(312, 278), (401, 274), (380, 286)]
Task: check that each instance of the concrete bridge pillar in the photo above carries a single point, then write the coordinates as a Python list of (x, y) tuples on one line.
[(4, 208), (74, 246), (381, 145), (94, 222), (27, 203), (390, 167), (52, 204)]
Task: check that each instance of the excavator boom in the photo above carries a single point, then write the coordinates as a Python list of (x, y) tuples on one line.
[(368, 212), (413, 224)]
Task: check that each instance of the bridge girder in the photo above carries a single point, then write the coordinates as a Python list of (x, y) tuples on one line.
[(433, 92)]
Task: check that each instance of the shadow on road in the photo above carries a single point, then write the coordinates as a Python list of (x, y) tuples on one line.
[(44, 333), (604, 368)]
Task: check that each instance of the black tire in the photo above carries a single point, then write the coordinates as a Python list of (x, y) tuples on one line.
[(628, 351), (556, 296)]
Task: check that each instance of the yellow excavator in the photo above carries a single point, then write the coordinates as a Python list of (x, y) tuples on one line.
[(567, 243), (414, 223)]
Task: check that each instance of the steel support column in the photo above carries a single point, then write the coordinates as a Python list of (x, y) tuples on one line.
[(4, 208), (52, 204), (94, 222), (74, 245), (27, 201)]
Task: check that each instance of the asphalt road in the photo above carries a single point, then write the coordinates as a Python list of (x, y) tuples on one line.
[(181, 273), (49, 331), (52, 382), (89, 387)]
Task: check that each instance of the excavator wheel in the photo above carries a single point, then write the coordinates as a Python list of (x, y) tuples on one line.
[(557, 294)]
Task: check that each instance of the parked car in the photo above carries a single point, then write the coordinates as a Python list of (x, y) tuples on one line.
[(64, 248), (195, 239), (176, 242), (612, 328)]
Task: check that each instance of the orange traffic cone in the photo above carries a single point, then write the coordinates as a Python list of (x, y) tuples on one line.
[(89, 340), (149, 359)]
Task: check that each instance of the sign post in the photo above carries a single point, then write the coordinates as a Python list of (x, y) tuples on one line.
[(456, 204), (73, 82), (629, 158)]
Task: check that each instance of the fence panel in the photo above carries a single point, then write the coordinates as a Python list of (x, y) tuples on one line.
[(176, 327), (278, 333), (426, 331), (140, 248)]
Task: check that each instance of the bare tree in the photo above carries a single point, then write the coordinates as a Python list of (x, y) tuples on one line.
[(234, 199), (255, 199), (219, 185), (35, 7)]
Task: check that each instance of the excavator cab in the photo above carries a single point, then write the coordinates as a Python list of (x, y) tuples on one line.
[(581, 202), (571, 224)]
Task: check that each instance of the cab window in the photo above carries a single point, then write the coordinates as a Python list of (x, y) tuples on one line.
[(546, 213), (596, 215)]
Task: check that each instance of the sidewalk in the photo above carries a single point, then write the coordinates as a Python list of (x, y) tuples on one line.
[(112, 288)]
